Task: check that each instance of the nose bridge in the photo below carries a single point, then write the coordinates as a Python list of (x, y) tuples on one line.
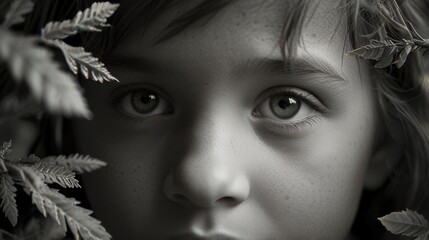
[(209, 131), (208, 173)]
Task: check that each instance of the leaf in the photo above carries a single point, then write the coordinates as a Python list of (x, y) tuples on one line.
[(377, 50), (4, 151), (89, 20), (2, 165), (46, 81), (76, 162), (402, 57), (408, 223), (78, 59), (56, 174), (17, 10), (385, 62), (64, 210), (7, 196), (30, 159)]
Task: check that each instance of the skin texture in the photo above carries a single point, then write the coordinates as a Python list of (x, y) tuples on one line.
[(209, 164)]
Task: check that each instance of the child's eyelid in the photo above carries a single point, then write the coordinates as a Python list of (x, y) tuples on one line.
[(119, 93), (304, 95)]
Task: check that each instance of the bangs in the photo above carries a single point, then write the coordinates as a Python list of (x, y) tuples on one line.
[(132, 16)]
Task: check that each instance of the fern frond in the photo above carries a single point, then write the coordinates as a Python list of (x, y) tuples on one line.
[(30, 159), (46, 81), (56, 174), (402, 57), (76, 162), (2, 165), (77, 218), (7, 196), (398, 37), (408, 223), (387, 52), (5, 149), (89, 20), (376, 50), (63, 210), (78, 59), (16, 11)]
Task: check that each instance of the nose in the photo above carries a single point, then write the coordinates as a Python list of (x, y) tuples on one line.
[(210, 173), (206, 186)]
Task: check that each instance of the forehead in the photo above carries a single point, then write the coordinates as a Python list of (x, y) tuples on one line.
[(238, 31), (252, 19)]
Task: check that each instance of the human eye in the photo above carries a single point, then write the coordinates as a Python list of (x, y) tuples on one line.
[(141, 102), (289, 109)]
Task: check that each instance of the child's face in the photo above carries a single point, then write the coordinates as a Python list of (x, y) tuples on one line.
[(202, 139)]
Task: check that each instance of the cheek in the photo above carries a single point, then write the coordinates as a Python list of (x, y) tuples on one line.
[(315, 182), (128, 188), (315, 186)]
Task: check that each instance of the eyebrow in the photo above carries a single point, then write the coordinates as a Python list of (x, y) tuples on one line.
[(137, 64), (274, 66), (304, 65)]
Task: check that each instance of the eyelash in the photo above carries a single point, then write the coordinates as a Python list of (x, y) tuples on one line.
[(290, 127), (285, 126), (117, 96)]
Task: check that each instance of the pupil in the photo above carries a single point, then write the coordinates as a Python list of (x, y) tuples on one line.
[(284, 106), (147, 97), (144, 101)]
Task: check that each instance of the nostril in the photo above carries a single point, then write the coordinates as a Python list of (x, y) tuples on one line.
[(179, 198), (230, 201)]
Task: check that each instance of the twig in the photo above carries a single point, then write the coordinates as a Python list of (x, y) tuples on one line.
[(7, 233)]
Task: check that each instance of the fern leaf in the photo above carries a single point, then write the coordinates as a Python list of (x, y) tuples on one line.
[(77, 218), (2, 166), (56, 174), (30, 159), (76, 162), (402, 57), (7, 196), (4, 151), (64, 210), (408, 223), (16, 11), (376, 50), (385, 62), (89, 20), (46, 81), (78, 59)]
